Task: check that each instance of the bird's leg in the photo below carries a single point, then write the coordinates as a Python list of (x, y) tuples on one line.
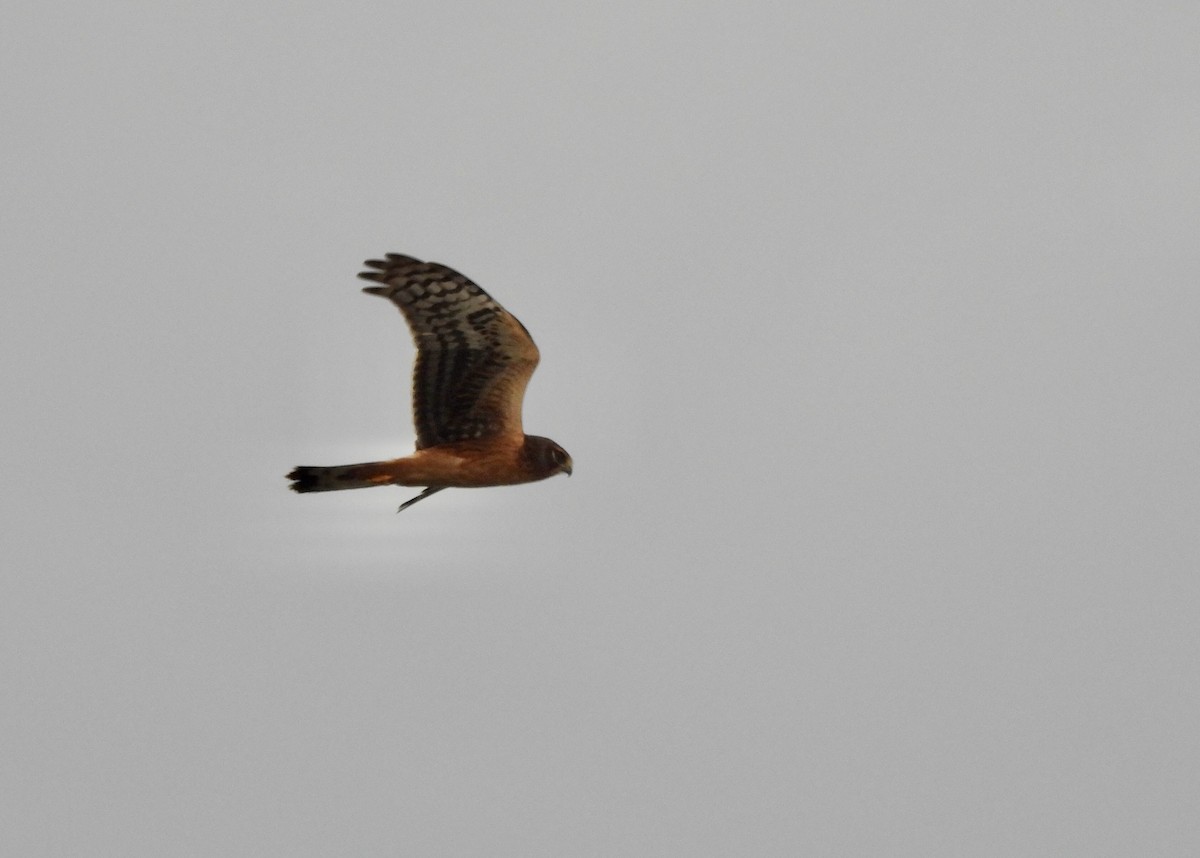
[(421, 496)]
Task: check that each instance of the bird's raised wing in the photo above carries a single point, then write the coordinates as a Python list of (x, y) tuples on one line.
[(474, 358)]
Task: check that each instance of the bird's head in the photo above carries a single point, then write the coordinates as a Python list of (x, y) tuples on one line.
[(547, 457)]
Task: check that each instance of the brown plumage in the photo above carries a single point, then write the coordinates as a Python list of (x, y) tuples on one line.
[(474, 360)]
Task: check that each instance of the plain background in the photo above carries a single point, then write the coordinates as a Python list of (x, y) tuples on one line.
[(872, 329)]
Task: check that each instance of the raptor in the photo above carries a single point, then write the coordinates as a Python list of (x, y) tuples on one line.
[(474, 360)]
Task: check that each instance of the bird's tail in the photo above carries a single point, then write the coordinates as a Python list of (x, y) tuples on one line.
[(307, 478)]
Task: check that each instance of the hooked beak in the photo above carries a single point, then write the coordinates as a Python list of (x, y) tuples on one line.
[(567, 467)]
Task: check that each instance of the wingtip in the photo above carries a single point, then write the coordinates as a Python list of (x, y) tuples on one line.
[(391, 260), (376, 276)]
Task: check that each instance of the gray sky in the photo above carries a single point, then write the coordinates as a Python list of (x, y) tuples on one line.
[(871, 328)]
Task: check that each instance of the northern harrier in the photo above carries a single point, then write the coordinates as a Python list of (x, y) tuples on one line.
[(473, 361)]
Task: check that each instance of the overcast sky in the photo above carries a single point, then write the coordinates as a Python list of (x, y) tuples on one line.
[(872, 329)]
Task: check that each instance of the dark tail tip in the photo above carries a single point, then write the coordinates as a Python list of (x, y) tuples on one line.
[(304, 479)]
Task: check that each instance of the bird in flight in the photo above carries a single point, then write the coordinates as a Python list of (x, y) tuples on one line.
[(474, 360)]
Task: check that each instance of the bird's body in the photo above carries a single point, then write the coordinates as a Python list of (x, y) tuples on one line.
[(461, 465), (474, 360)]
